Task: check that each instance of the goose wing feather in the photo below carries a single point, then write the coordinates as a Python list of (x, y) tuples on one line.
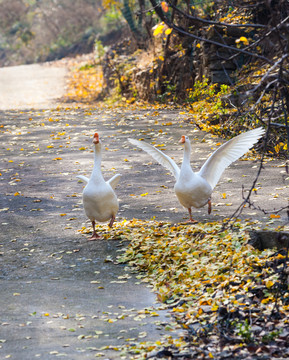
[(159, 156), (228, 153), (83, 178), (114, 181)]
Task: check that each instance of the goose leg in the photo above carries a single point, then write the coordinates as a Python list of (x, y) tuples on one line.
[(191, 219), (111, 221), (95, 235), (209, 206)]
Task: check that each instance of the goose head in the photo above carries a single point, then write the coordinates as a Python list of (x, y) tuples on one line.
[(96, 139), (186, 142), (184, 139), (96, 149), (97, 143)]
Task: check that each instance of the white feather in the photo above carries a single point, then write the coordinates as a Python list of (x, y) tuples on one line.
[(114, 181), (229, 152), (83, 178), (99, 199), (195, 189), (159, 156)]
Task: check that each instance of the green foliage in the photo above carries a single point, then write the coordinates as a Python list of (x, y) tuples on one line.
[(244, 330), (112, 19), (99, 50), (207, 102), (86, 67), (271, 336), (203, 90), (44, 30), (168, 93)]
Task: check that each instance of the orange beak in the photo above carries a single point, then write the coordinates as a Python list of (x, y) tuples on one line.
[(183, 140), (95, 138)]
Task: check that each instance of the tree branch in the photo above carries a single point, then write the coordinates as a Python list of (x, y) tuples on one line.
[(210, 22), (275, 28), (277, 63), (161, 15)]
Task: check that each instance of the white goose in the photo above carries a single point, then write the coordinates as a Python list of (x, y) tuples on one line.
[(99, 200), (195, 189)]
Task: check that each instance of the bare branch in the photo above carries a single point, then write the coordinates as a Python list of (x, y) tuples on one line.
[(210, 22), (276, 64), (178, 29), (275, 28), (253, 206)]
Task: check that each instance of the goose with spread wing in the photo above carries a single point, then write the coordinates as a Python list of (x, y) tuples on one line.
[(99, 200), (194, 189)]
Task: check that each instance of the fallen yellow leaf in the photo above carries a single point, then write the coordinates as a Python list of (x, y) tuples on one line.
[(274, 216), (269, 284)]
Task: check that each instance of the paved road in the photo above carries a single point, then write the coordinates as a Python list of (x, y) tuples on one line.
[(33, 86), (61, 295)]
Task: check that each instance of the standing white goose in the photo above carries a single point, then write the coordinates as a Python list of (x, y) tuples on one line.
[(195, 189), (99, 200)]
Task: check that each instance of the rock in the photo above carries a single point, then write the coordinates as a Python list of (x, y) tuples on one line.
[(269, 239)]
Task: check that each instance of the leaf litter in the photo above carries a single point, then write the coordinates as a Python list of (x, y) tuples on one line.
[(230, 299)]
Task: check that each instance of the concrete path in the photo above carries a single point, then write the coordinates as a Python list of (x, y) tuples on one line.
[(33, 86), (61, 295)]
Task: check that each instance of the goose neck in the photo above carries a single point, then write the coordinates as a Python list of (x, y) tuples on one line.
[(96, 172), (187, 153)]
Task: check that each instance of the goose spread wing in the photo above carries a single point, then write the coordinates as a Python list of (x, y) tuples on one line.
[(227, 153), (159, 156)]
